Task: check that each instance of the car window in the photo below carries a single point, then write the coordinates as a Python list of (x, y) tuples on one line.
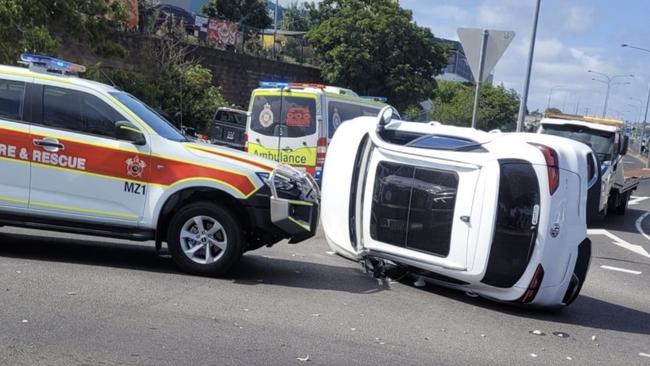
[(78, 111), (11, 99), (295, 115), (413, 207), (339, 112), (231, 117)]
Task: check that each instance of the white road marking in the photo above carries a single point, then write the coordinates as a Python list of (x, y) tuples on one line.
[(638, 224), (644, 354), (622, 243), (635, 200), (617, 269)]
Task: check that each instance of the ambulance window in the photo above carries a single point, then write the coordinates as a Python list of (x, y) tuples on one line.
[(11, 99), (77, 111), (339, 112), (293, 116)]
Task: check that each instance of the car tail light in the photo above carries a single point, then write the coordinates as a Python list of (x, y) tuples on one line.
[(553, 166), (246, 142), (591, 167), (533, 287), (321, 151)]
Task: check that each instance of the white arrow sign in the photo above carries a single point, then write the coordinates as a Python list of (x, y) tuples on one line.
[(620, 242), (497, 42)]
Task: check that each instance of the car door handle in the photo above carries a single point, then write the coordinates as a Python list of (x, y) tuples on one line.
[(48, 143)]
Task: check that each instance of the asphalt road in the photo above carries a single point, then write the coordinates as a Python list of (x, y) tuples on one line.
[(71, 300)]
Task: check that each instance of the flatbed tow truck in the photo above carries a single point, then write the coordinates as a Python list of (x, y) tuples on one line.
[(607, 139)]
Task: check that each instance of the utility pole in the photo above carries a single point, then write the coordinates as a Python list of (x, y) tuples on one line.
[(531, 54)]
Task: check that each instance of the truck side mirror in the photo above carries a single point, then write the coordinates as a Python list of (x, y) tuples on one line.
[(127, 132), (626, 141)]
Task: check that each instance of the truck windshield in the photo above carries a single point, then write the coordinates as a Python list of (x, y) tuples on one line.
[(157, 122), (601, 142)]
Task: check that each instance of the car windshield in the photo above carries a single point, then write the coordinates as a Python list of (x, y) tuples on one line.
[(601, 142), (157, 122)]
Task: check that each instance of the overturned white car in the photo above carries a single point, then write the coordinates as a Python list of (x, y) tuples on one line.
[(501, 215)]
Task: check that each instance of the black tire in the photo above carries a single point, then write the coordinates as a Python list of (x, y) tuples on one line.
[(622, 206), (231, 232)]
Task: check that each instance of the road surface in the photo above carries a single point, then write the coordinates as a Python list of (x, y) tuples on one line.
[(72, 300)]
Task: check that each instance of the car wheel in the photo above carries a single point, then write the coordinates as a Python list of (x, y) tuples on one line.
[(205, 239)]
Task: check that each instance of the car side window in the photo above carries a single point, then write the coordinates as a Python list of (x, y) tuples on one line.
[(78, 111), (11, 99)]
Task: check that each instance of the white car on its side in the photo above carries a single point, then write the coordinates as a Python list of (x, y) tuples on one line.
[(500, 215)]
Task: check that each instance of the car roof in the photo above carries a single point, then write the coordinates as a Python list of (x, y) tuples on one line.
[(66, 79)]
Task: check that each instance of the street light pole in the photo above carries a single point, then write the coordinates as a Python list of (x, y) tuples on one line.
[(531, 54), (645, 119), (608, 80), (550, 95)]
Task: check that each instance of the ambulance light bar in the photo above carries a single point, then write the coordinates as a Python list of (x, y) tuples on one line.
[(273, 84), (51, 63)]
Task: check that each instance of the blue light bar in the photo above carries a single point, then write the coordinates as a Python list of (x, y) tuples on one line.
[(51, 63), (273, 84), (376, 99)]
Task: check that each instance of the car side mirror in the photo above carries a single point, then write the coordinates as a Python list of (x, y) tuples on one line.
[(385, 117), (125, 131), (624, 145)]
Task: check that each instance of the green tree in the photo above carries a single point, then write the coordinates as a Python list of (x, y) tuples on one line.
[(35, 25), (168, 80), (498, 107), (249, 12), (296, 18), (552, 110), (375, 48)]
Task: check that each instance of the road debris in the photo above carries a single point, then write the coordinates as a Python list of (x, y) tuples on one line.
[(482, 335), (330, 252), (533, 355), (24, 320), (303, 359), (644, 354), (569, 358), (315, 315), (537, 332), (593, 338), (72, 293), (561, 334)]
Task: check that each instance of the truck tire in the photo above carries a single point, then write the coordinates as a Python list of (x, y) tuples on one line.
[(622, 206), (205, 239)]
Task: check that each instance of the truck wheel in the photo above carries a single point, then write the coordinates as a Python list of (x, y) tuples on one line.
[(622, 206), (205, 239)]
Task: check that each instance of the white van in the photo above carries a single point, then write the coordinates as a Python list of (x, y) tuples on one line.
[(292, 123)]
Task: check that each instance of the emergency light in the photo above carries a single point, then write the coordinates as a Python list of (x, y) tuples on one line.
[(52, 64), (273, 84)]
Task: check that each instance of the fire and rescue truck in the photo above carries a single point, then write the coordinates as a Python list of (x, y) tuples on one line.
[(83, 157)]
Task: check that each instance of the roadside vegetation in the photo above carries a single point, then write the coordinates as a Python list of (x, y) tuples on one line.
[(371, 46)]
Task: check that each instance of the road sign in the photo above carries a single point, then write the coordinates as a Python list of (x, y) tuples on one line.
[(497, 43)]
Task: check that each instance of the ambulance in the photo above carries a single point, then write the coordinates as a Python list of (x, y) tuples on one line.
[(87, 158), (292, 123)]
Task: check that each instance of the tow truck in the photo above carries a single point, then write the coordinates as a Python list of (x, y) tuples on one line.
[(607, 139)]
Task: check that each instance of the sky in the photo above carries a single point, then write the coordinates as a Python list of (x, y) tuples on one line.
[(573, 36)]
